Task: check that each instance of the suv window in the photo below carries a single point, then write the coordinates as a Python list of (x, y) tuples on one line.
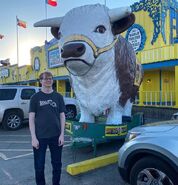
[(27, 93), (7, 94)]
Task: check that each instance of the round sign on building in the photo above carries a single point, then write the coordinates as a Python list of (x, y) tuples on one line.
[(136, 36)]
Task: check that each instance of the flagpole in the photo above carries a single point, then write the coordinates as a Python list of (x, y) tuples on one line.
[(17, 50), (46, 16), (105, 2)]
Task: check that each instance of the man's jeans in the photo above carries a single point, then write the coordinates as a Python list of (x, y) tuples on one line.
[(39, 160)]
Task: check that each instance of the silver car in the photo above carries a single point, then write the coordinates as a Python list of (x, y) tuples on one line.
[(175, 116), (149, 155)]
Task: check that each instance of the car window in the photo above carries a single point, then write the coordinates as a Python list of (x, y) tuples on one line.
[(7, 94), (27, 93)]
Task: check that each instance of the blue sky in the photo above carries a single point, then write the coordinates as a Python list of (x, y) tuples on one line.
[(32, 11)]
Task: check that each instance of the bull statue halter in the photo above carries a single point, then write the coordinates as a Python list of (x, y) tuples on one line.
[(96, 50)]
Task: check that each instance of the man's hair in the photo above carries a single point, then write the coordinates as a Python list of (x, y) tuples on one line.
[(45, 74)]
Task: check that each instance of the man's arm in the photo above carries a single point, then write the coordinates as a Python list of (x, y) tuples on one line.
[(35, 142), (62, 120)]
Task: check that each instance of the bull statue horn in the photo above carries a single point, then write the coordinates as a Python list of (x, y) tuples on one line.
[(53, 22), (119, 13)]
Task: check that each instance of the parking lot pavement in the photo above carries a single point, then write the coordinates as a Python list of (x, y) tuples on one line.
[(16, 162)]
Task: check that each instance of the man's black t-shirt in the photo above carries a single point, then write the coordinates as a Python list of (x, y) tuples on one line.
[(47, 109)]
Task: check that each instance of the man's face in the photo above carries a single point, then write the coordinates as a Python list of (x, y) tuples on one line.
[(47, 81)]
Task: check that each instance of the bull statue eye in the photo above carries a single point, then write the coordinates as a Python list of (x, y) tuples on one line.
[(100, 29)]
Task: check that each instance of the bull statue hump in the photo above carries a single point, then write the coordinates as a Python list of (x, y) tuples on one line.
[(104, 72)]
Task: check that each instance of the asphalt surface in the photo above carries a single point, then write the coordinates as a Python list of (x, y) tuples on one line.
[(16, 162)]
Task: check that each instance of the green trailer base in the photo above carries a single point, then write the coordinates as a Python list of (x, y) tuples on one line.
[(91, 134)]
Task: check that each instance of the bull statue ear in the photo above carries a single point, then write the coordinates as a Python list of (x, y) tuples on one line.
[(123, 24), (54, 31), (121, 19)]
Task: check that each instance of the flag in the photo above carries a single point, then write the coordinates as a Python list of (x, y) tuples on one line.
[(21, 23), (52, 2), (1, 36)]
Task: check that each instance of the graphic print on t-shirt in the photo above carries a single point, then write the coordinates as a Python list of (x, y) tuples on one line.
[(48, 102)]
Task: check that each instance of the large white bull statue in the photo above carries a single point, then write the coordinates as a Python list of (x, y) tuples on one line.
[(102, 64)]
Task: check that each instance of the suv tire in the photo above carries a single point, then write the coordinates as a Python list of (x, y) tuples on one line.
[(150, 169), (12, 120), (70, 112)]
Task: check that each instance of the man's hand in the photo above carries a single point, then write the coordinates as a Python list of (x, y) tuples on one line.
[(35, 143), (61, 140)]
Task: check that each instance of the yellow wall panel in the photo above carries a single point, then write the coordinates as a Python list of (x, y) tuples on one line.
[(151, 86), (176, 86), (61, 87), (168, 85)]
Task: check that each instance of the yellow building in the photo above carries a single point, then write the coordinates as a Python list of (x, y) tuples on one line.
[(47, 58), (42, 59), (154, 37)]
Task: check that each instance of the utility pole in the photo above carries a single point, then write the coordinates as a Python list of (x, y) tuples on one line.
[(17, 50)]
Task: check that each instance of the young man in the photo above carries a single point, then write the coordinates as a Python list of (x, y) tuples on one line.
[(46, 123)]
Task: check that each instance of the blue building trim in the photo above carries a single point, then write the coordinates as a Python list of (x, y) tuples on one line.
[(61, 78), (36, 80), (159, 65)]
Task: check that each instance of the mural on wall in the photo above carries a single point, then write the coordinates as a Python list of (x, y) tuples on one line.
[(54, 58), (52, 54), (171, 5), (157, 10)]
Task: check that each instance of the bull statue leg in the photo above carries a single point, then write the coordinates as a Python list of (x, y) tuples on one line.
[(127, 108), (115, 113), (86, 116)]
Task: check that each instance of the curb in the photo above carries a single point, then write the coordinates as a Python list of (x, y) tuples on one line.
[(91, 164)]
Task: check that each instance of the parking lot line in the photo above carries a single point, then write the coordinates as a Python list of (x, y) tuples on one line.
[(7, 135), (15, 142), (23, 142), (3, 156), (23, 135), (23, 150), (15, 150), (19, 156), (7, 174)]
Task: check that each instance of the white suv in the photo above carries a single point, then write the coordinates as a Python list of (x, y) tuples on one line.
[(14, 105)]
